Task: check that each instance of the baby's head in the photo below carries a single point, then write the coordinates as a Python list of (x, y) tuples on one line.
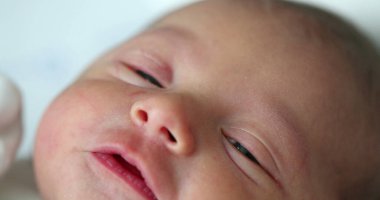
[(220, 100)]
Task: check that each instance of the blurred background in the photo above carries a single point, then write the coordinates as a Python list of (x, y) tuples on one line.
[(45, 44)]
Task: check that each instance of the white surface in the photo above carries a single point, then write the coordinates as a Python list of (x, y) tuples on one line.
[(44, 44), (10, 122)]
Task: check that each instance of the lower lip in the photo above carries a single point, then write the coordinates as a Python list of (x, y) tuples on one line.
[(126, 174)]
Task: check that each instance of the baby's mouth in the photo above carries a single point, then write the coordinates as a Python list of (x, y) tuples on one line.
[(128, 172)]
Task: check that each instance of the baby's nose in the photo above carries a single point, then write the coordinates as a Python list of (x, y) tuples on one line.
[(164, 116)]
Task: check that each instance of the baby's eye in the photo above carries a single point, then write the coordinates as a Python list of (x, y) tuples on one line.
[(242, 150), (149, 78)]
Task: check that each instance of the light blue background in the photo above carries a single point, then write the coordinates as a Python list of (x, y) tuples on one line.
[(44, 44)]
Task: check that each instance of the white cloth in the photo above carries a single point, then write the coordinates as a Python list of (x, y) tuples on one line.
[(10, 122)]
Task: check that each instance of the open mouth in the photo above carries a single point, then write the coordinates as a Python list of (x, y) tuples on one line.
[(126, 171)]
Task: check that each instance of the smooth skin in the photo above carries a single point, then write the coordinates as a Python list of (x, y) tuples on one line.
[(234, 77)]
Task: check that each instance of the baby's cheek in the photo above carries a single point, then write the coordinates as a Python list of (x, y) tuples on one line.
[(48, 137), (66, 122)]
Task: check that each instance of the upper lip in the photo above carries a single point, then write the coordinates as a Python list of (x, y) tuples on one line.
[(132, 158)]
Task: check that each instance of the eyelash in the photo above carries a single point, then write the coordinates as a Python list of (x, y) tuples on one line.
[(242, 150), (149, 78)]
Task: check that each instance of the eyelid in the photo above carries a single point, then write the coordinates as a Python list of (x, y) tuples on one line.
[(149, 63), (243, 150), (127, 74), (151, 79), (231, 133), (256, 147)]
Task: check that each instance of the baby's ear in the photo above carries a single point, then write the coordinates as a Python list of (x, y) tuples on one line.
[(10, 122)]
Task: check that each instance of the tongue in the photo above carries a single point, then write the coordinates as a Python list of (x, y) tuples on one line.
[(128, 166)]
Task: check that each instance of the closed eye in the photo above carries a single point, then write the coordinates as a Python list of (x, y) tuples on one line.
[(149, 78), (242, 150)]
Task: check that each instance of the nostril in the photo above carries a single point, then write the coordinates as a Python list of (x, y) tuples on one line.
[(168, 134), (171, 137), (142, 115)]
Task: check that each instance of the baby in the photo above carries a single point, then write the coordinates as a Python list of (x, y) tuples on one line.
[(221, 100)]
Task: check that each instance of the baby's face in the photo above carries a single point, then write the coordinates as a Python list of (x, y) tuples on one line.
[(206, 104)]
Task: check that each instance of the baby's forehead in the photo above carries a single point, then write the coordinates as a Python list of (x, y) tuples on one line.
[(299, 23), (294, 44), (295, 23), (260, 46), (256, 24)]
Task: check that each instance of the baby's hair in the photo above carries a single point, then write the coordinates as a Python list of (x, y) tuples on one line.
[(321, 27), (328, 31), (327, 28)]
